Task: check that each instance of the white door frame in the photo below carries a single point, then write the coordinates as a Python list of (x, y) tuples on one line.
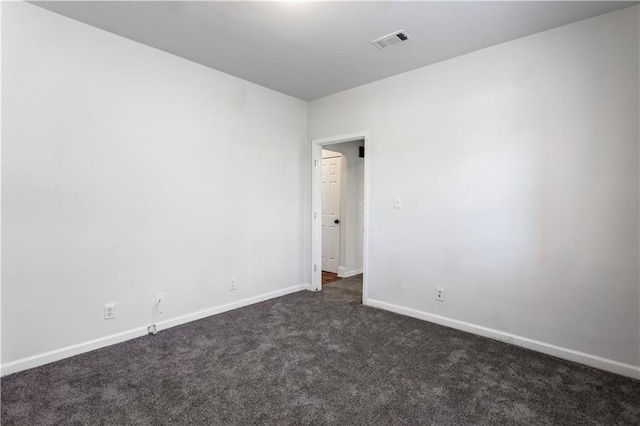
[(316, 205)]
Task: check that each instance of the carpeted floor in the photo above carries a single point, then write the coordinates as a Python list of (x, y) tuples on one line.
[(319, 358)]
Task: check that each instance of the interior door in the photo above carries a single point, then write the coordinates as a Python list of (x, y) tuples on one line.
[(331, 168)]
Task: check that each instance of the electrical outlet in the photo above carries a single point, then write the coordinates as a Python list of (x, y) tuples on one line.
[(440, 294), (232, 283), (109, 311)]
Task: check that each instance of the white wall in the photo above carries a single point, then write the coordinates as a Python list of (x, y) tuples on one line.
[(127, 172), (518, 169), (352, 201)]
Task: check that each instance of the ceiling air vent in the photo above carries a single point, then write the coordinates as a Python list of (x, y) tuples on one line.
[(391, 39)]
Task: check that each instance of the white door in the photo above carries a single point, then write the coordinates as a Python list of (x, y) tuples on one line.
[(331, 213)]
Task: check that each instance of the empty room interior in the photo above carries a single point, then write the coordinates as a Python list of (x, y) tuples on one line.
[(301, 212)]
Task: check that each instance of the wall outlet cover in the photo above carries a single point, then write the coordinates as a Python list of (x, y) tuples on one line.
[(109, 311)]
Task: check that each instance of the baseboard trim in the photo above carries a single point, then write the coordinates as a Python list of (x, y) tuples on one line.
[(69, 351), (77, 349), (163, 325), (535, 345), (348, 274)]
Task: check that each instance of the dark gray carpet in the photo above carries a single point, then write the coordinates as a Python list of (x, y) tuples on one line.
[(317, 358)]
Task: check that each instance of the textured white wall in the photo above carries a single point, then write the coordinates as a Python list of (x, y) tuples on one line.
[(127, 172), (518, 168)]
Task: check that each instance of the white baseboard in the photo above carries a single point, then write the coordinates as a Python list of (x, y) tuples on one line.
[(347, 274), (535, 345), (69, 351), (66, 352), (163, 325)]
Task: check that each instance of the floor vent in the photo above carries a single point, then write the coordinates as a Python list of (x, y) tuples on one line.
[(391, 39)]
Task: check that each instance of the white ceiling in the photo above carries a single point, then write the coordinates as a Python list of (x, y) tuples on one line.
[(313, 49)]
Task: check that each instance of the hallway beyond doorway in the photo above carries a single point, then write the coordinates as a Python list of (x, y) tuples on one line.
[(347, 290), (329, 277)]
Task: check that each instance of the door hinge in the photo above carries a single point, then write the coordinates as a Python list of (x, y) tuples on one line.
[(315, 163), (315, 268)]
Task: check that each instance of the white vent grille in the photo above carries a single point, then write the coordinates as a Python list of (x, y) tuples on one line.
[(391, 39)]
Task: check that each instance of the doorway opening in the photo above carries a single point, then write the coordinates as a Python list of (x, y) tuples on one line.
[(339, 214), (332, 214)]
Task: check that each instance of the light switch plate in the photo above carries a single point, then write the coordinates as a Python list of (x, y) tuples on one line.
[(397, 203)]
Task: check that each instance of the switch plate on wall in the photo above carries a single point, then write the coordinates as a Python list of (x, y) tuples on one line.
[(160, 297), (232, 283), (397, 203), (440, 294)]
